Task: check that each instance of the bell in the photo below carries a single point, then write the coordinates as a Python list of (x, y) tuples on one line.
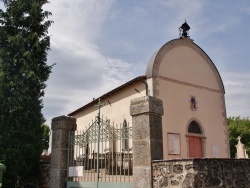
[(185, 27)]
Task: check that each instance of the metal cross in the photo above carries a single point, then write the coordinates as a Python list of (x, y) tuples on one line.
[(99, 105)]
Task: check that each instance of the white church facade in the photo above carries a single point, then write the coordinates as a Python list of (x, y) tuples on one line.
[(183, 76)]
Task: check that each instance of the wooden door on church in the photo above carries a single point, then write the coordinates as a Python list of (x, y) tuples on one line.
[(195, 147)]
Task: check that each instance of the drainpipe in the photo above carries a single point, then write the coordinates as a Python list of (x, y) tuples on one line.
[(146, 87)]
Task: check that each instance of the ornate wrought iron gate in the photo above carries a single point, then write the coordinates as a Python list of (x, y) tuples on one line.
[(101, 154)]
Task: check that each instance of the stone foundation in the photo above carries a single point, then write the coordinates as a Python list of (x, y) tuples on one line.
[(45, 171), (187, 173)]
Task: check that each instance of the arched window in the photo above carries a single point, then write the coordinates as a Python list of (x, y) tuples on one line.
[(194, 128), (125, 132)]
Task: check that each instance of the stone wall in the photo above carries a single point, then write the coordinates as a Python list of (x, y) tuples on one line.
[(185, 173), (45, 171)]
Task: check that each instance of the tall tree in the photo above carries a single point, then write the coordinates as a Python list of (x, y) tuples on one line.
[(238, 126), (24, 43)]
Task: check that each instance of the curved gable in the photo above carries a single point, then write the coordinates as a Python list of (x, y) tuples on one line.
[(184, 61)]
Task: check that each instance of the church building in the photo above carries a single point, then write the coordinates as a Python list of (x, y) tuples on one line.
[(182, 75)]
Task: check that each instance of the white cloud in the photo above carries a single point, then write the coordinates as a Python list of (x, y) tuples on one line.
[(81, 72), (78, 20), (99, 45), (237, 86), (76, 79), (127, 32)]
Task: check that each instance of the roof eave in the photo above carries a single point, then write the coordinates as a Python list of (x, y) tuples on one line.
[(137, 79)]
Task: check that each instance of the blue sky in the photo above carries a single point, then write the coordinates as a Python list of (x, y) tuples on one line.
[(98, 45)]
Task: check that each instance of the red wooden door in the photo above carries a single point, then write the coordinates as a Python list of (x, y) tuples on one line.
[(195, 148)]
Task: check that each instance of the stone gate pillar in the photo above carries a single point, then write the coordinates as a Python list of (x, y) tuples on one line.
[(146, 115), (61, 126)]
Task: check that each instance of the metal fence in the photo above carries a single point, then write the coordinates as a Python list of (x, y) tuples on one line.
[(101, 153)]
